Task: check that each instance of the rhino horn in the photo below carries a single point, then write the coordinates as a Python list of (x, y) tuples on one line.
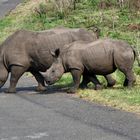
[(43, 73)]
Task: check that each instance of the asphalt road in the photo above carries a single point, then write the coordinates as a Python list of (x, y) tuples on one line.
[(54, 115), (7, 5)]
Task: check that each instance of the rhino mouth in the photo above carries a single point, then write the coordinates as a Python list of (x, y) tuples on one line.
[(51, 82)]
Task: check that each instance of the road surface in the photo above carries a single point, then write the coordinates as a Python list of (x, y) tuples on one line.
[(54, 115)]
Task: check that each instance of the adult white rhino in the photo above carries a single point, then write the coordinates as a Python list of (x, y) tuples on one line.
[(30, 51)]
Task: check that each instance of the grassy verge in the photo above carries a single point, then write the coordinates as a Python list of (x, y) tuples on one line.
[(114, 23), (117, 97)]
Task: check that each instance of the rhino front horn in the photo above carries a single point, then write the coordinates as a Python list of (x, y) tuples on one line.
[(43, 73)]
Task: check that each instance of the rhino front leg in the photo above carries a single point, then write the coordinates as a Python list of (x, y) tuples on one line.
[(16, 73), (40, 80), (76, 74)]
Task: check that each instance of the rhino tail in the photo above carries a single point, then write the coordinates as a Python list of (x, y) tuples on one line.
[(136, 55)]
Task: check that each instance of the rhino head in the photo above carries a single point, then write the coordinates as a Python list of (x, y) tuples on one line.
[(55, 72)]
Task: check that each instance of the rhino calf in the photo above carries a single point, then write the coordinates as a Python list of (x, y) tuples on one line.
[(101, 57)]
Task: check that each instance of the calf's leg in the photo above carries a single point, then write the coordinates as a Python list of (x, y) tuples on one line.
[(110, 81), (76, 74), (129, 75), (130, 78), (94, 79), (124, 61), (86, 79), (84, 82)]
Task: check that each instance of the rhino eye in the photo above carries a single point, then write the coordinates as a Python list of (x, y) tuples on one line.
[(53, 71)]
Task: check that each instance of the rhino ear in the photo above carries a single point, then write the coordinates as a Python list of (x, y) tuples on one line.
[(55, 53), (52, 53)]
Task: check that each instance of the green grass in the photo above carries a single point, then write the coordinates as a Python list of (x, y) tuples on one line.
[(113, 23), (118, 97), (127, 99)]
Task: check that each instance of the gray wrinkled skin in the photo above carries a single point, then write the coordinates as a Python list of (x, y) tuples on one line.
[(101, 57), (30, 51)]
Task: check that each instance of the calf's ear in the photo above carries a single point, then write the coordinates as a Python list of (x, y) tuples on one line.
[(52, 53), (55, 53)]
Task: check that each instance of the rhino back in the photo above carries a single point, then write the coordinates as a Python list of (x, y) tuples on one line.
[(33, 48), (104, 55), (25, 47), (100, 56), (42, 54), (93, 56)]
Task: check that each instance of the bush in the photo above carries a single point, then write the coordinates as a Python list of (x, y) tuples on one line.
[(105, 4), (63, 7), (41, 12)]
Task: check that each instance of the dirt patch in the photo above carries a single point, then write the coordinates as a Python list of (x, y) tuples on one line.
[(134, 27)]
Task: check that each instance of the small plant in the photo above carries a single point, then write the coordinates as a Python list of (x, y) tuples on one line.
[(64, 7), (41, 12), (102, 4)]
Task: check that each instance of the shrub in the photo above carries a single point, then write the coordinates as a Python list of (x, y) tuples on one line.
[(63, 7), (41, 13)]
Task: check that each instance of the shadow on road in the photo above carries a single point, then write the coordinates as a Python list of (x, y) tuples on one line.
[(49, 89)]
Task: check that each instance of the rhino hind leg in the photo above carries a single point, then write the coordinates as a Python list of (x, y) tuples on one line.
[(130, 78), (110, 81), (93, 78), (3, 75), (129, 75), (90, 78), (84, 82), (86, 79), (16, 73), (40, 80)]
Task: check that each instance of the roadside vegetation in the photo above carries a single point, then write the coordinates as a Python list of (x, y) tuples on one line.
[(111, 17)]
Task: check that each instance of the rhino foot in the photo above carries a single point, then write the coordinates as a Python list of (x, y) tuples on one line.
[(10, 91), (40, 88), (111, 83), (83, 86), (71, 91), (98, 87)]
